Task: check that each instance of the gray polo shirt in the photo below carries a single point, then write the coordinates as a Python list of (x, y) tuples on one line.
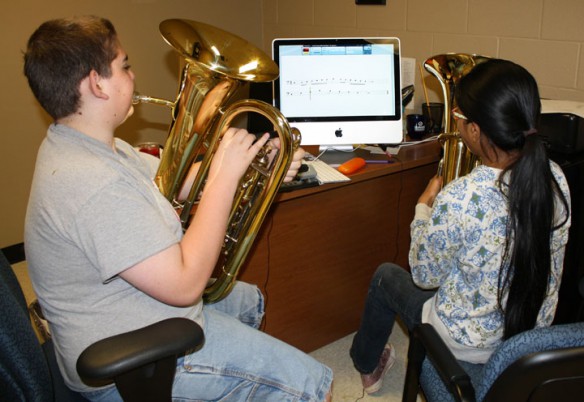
[(93, 213)]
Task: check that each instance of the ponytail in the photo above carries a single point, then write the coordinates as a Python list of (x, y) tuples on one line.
[(531, 193), (503, 99)]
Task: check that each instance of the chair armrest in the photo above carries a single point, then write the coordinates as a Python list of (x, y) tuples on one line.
[(451, 372), (111, 357)]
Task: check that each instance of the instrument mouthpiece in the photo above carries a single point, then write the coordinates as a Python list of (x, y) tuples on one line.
[(136, 98)]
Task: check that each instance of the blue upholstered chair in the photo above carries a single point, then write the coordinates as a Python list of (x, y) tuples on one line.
[(141, 363), (543, 364)]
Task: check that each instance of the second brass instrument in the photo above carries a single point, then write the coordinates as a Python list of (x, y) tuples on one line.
[(215, 65), (449, 68)]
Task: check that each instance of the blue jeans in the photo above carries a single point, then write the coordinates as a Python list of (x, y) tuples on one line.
[(240, 363), (391, 292)]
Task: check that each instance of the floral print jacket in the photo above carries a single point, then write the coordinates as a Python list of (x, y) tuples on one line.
[(457, 247)]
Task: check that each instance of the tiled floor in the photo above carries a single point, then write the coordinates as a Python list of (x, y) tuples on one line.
[(347, 382)]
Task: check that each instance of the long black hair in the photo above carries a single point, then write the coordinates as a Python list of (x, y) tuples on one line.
[(503, 99)]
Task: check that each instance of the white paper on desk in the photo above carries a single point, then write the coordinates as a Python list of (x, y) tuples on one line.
[(374, 150), (408, 73), (394, 149), (378, 151), (562, 106), (408, 70)]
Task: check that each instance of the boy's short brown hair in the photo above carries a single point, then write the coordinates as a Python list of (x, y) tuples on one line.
[(61, 53)]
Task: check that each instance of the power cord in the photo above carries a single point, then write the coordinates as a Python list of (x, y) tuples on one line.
[(338, 150)]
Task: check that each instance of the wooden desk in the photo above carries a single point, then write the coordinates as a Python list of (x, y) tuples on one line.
[(318, 247)]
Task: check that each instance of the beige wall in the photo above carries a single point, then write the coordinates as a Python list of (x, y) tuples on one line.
[(546, 36), (155, 64)]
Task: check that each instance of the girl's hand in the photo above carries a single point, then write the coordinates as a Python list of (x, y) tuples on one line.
[(432, 189)]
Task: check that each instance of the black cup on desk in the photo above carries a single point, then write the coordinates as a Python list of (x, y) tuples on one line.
[(434, 112), (416, 126)]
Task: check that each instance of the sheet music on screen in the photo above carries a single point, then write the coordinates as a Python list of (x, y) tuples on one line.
[(337, 80), (340, 91)]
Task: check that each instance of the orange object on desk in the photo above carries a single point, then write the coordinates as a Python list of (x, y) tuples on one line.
[(352, 165)]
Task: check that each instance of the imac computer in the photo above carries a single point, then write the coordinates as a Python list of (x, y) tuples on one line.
[(340, 91)]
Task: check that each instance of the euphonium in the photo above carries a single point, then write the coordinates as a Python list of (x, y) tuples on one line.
[(449, 68), (216, 63)]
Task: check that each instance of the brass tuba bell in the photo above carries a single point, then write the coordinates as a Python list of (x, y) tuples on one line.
[(215, 65), (449, 68)]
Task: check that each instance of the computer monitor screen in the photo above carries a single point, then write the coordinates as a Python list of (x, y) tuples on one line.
[(340, 91)]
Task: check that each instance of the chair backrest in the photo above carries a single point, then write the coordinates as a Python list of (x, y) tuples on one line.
[(542, 364), (24, 372), (535, 365)]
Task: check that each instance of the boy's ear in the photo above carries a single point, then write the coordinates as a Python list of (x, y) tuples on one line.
[(95, 85)]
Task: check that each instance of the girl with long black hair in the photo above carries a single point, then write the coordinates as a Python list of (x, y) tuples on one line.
[(487, 250)]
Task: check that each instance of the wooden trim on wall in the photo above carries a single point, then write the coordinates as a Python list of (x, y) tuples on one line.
[(14, 253)]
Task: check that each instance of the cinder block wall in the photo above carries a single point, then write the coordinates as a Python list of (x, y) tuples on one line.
[(545, 36)]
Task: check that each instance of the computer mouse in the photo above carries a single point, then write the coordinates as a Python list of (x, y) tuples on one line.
[(306, 172)]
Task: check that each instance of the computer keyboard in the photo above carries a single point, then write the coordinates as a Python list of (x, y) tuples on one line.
[(326, 173)]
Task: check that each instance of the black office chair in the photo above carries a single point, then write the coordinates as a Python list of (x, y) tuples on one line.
[(141, 363), (543, 364)]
